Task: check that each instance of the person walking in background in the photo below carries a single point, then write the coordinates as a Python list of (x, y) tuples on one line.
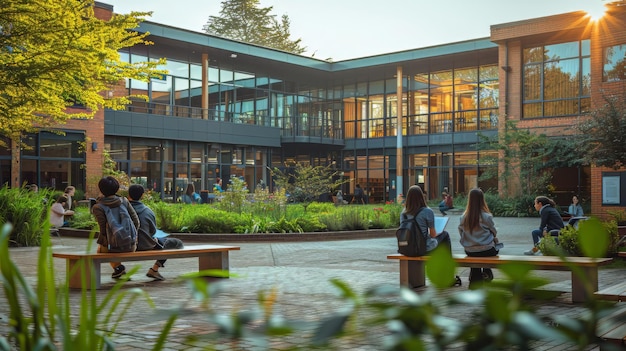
[(550, 220), (109, 186), (58, 212), (69, 193), (147, 228), (415, 207), (478, 234), (358, 195), (574, 209)]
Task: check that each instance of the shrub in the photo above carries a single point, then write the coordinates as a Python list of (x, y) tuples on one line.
[(310, 223), (27, 211), (83, 219), (569, 241)]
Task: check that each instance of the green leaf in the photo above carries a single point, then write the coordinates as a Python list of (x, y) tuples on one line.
[(594, 239), (329, 328), (441, 267)]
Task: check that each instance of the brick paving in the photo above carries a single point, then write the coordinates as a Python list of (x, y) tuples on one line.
[(300, 273)]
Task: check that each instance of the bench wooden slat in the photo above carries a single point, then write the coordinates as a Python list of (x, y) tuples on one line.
[(615, 292), (613, 326), (412, 269), (187, 251), (209, 257)]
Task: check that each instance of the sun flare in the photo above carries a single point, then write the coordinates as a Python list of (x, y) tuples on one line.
[(595, 9)]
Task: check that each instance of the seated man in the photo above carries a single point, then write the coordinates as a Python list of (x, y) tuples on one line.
[(147, 228)]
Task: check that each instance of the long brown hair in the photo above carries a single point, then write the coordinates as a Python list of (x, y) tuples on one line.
[(473, 212), (414, 200)]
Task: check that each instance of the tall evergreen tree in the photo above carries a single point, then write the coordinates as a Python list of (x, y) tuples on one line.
[(55, 55), (246, 21)]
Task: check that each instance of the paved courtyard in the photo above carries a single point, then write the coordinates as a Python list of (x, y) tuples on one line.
[(300, 273)]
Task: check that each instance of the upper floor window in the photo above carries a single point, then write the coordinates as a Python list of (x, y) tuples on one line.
[(557, 79), (614, 63)]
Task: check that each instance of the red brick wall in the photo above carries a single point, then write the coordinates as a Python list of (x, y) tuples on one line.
[(511, 38)]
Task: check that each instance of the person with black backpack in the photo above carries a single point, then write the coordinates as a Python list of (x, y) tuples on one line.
[(105, 205), (415, 207)]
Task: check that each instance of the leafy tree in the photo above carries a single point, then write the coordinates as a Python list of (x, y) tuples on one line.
[(528, 158), (305, 183), (603, 135), (57, 58), (246, 21)]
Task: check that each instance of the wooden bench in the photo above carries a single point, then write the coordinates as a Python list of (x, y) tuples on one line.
[(612, 328), (413, 273), (616, 292), (209, 257)]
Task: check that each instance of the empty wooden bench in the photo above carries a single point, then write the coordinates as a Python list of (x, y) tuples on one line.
[(209, 257), (413, 273)]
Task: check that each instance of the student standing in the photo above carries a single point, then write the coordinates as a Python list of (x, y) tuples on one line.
[(69, 193), (478, 234)]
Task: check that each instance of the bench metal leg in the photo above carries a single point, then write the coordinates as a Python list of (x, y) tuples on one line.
[(75, 274), (214, 260), (587, 276), (412, 273)]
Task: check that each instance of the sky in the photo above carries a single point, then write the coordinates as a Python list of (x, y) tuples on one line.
[(344, 29)]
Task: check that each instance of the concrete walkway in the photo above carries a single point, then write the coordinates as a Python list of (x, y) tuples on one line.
[(299, 273)]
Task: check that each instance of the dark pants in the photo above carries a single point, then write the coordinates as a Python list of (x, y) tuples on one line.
[(167, 243), (444, 238), (476, 274)]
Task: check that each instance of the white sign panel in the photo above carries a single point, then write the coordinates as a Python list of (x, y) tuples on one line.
[(610, 190)]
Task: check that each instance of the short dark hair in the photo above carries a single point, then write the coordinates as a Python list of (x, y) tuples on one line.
[(135, 192), (108, 186)]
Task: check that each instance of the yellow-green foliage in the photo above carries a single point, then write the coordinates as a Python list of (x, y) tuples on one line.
[(56, 54)]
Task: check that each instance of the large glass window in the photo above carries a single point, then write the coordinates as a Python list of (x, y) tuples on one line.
[(556, 79), (614, 63)]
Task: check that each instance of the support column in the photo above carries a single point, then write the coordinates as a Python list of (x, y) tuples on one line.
[(205, 86), (399, 168)]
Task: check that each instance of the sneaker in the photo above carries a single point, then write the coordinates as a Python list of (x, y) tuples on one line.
[(532, 251), (487, 274), (118, 272), (154, 274)]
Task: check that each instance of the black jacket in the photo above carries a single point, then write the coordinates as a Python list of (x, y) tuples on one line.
[(550, 218)]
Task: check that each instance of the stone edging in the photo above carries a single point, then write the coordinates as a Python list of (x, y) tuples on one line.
[(314, 236)]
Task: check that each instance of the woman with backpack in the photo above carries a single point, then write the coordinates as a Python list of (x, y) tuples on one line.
[(478, 234), (415, 207)]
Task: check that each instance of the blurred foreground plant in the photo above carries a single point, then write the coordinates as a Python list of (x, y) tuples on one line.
[(497, 316)]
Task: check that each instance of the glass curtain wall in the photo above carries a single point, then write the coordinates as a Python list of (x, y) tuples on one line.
[(54, 161), (557, 79), (166, 166)]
